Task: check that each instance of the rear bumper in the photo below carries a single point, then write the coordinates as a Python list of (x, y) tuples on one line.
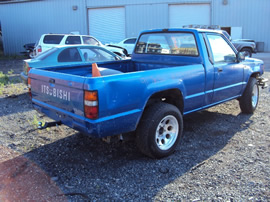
[(108, 126)]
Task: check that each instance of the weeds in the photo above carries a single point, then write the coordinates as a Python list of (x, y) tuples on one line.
[(6, 81), (3, 79), (35, 123)]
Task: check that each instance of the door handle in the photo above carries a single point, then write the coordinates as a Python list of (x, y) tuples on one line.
[(220, 69)]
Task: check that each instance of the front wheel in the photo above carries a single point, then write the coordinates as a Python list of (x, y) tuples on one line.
[(250, 98), (160, 130)]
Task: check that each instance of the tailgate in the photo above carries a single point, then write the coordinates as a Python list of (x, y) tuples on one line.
[(59, 90)]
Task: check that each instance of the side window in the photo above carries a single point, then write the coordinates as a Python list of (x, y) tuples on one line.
[(73, 40), (90, 41), (130, 41), (96, 54), (52, 39), (69, 55), (222, 51)]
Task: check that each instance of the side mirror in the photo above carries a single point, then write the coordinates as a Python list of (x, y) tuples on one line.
[(240, 56)]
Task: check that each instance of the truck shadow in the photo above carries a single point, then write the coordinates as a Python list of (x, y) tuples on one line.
[(90, 169)]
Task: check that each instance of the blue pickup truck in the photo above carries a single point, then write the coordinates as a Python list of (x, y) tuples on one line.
[(172, 72)]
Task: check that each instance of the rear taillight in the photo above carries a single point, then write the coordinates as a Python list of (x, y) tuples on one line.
[(91, 104), (29, 80), (39, 49), (29, 86)]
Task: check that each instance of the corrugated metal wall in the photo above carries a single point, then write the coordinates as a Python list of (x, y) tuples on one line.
[(110, 3), (25, 22), (141, 17), (143, 14), (252, 15)]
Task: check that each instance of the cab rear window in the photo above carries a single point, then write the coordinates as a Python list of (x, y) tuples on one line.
[(167, 44), (52, 39)]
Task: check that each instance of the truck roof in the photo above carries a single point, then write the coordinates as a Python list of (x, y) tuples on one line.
[(182, 30)]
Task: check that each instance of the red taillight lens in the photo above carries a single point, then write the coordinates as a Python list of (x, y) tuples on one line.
[(91, 104), (39, 49), (28, 69), (29, 86)]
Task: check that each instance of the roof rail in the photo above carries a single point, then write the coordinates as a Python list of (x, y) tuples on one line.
[(202, 26)]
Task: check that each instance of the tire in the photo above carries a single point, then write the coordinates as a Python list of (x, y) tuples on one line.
[(247, 52), (160, 130), (30, 54), (250, 98)]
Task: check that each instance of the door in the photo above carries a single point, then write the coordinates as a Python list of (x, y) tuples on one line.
[(107, 24), (228, 73)]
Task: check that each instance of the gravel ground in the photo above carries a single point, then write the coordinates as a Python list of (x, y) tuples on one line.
[(224, 156)]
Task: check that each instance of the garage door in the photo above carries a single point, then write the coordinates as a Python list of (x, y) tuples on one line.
[(107, 24), (187, 14)]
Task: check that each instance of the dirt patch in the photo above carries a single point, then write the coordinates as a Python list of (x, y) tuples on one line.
[(224, 156)]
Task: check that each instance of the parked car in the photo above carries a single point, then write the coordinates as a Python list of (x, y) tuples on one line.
[(68, 56), (247, 46), (48, 41), (128, 44), (29, 49)]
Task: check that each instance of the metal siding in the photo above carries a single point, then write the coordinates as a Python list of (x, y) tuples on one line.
[(252, 15), (25, 22), (141, 17), (186, 14), (110, 3)]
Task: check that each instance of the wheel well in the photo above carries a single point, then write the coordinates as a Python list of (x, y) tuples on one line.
[(172, 96), (246, 48), (255, 74)]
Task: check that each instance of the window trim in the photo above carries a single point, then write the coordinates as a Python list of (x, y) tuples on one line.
[(209, 50)]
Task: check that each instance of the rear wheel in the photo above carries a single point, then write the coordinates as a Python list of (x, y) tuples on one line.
[(160, 130), (250, 98)]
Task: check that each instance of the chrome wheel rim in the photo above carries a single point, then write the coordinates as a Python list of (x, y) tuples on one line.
[(167, 132), (255, 96)]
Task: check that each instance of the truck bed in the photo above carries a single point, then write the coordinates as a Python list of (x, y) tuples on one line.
[(59, 92), (127, 66)]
